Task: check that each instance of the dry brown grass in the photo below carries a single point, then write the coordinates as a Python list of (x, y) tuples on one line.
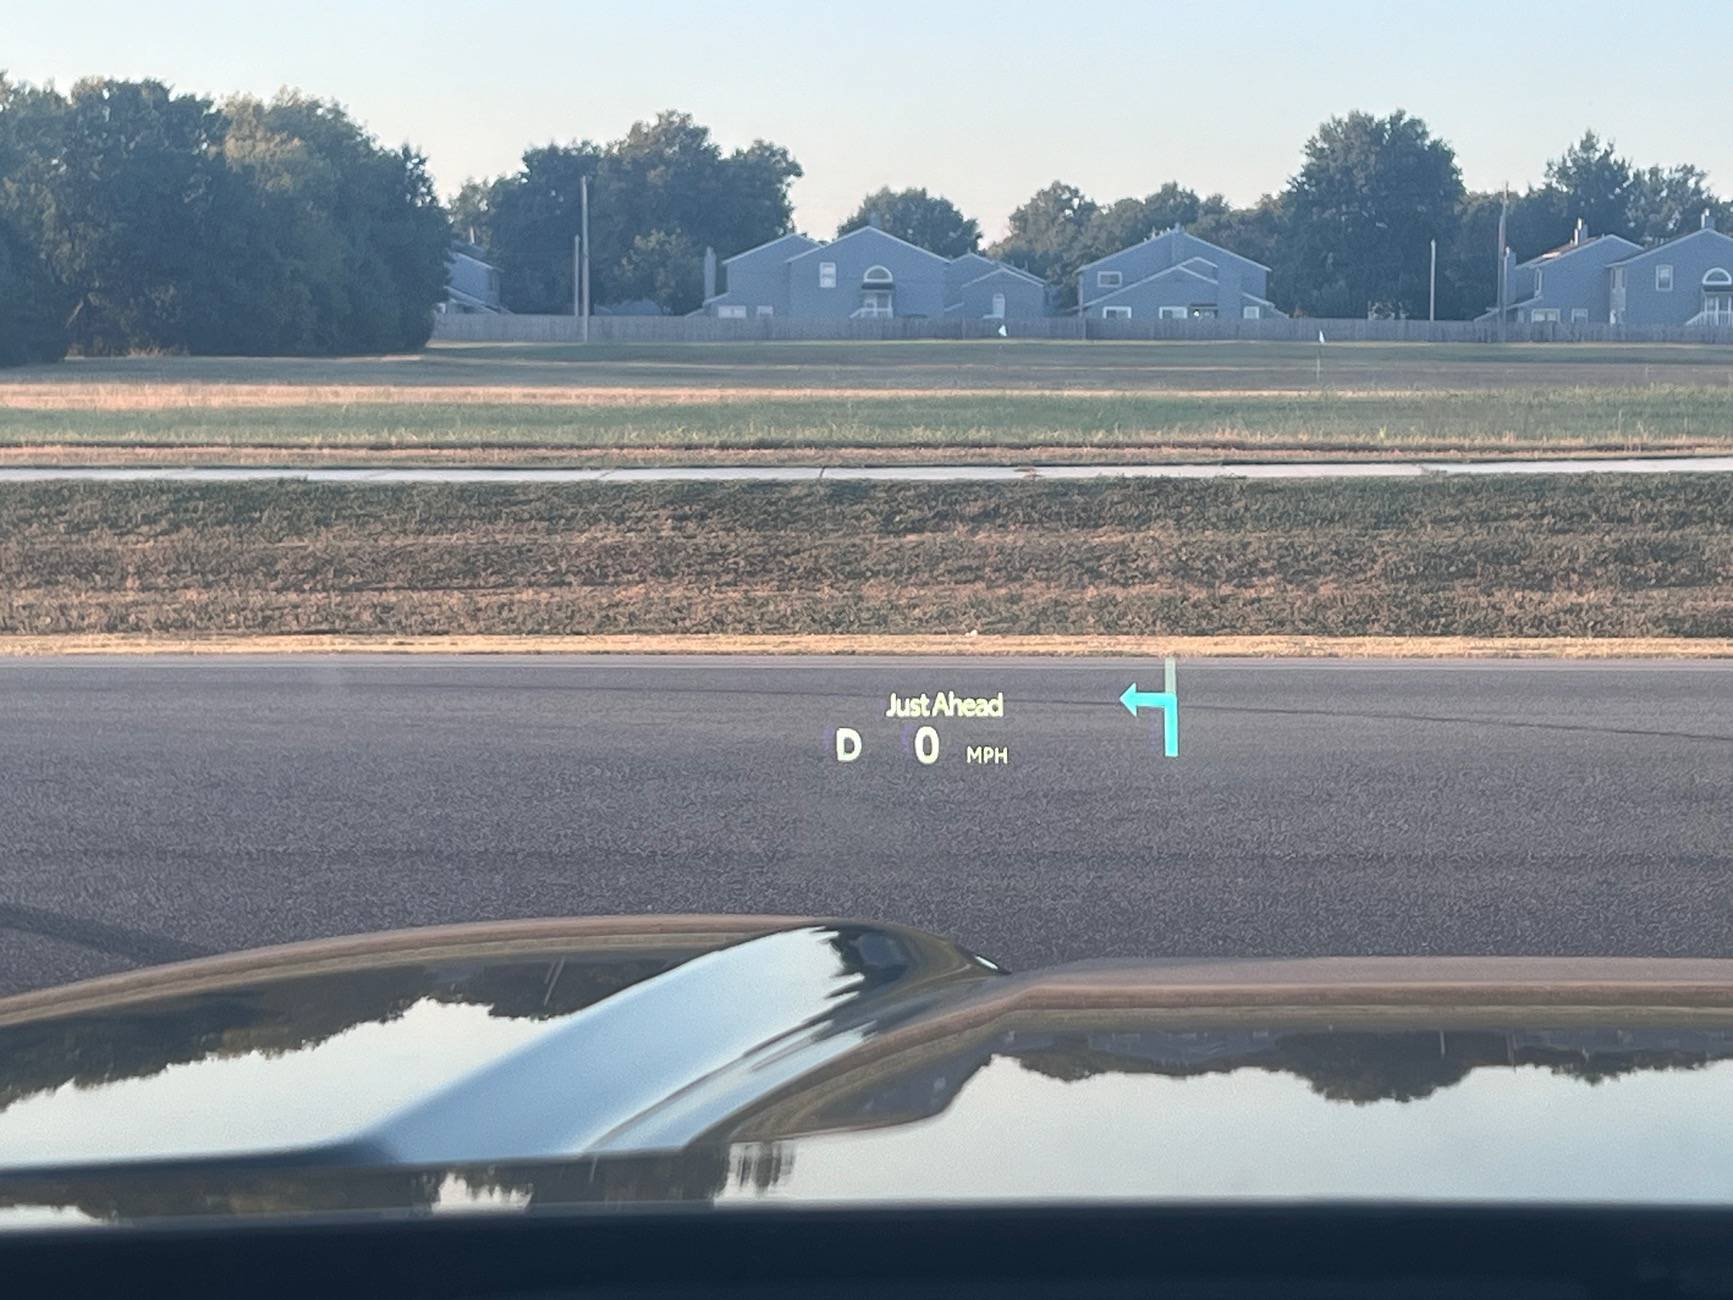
[(1192, 647), (74, 396)]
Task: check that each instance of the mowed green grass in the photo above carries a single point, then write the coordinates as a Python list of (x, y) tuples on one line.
[(1573, 556), (1657, 419), (938, 365), (856, 401)]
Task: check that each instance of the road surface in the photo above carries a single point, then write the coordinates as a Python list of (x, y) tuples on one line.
[(158, 808), (1279, 469)]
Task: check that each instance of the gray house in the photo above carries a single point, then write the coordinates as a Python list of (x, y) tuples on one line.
[(1568, 283), (1174, 275), (979, 288), (1608, 279), (1685, 281), (868, 274), (471, 282)]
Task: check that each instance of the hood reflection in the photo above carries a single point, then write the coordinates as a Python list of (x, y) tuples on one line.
[(835, 1060)]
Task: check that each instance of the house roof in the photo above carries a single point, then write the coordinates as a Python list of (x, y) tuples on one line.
[(1163, 234), (474, 252), (770, 243), (1565, 250), (1180, 269), (1492, 311), (997, 265), (1673, 243), (860, 231), (997, 271)]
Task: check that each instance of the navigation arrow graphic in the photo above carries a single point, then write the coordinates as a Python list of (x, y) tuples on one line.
[(1167, 700)]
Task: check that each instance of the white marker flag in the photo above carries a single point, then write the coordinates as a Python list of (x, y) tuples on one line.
[(1320, 336)]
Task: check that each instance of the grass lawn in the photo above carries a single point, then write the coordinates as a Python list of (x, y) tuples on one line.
[(1584, 556), (836, 402)]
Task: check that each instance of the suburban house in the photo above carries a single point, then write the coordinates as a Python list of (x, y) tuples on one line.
[(1685, 281), (1608, 279), (471, 282), (868, 273), (1569, 283), (1174, 275)]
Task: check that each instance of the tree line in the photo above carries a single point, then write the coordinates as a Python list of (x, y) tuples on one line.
[(133, 218), (136, 218), (1350, 234)]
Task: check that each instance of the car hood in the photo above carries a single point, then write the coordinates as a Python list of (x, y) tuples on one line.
[(771, 1060)]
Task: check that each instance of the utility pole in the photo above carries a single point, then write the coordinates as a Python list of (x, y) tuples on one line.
[(1503, 287), (1432, 286), (584, 270)]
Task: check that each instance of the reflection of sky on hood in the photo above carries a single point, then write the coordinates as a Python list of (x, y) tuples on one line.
[(1651, 1136), (237, 1103)]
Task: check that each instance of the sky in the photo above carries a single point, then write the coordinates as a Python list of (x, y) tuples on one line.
[(982, 102)]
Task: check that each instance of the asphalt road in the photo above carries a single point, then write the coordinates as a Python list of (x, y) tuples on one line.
[(156, 808)]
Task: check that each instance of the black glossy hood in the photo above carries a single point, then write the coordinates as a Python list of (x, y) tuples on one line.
[(727, 1059)]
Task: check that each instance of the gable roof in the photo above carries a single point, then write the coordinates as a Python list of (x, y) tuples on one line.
[(770, 243), (1162, 274), (860, 231), (997, 271), (1674, 243), (1566, 250), (996, 265), (1163, 234)]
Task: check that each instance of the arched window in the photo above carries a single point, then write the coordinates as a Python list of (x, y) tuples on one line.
[(1717, 277), (876, 275)]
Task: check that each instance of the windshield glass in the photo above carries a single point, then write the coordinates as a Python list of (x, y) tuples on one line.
[(1148, 484)]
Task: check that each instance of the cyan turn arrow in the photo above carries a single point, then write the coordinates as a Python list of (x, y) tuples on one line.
[(1166, 700)]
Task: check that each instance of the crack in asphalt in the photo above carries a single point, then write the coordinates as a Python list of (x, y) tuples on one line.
[(1591, 728), (116, 940)]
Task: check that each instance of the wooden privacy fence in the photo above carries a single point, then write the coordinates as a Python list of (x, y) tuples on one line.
[(481, 328)]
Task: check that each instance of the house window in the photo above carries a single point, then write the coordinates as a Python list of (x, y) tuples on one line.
[(1539, 281), (1717, 276), (767, 311), (1663, 279), (1203, 311), (827, 275), (998, 312), (1579, 315), (1170, 313), (1251, 312), (1544, 316), (1109, 279), (731, 313), (1116, 313), (876, 275)]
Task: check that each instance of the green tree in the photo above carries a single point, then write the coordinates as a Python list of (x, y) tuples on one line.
[(1369, 197), (1131, 221), (1591, 183), (117, 178), (658, 197), (369, 236), (1049, 236), (1667, 202), (33, 324), (258, 228), (929, 221)]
